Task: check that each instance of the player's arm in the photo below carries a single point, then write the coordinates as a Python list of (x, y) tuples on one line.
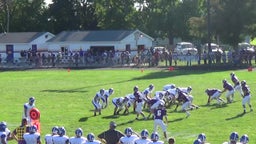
[(14, 135), (209, 100), (25, 110)]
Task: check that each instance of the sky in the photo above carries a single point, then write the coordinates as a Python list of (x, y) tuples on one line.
[(48, 1)]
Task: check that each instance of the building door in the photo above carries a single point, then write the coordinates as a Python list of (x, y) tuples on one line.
[(9, 53)]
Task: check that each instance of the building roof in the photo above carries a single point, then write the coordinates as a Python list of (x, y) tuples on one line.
[(19, 37), (101, 35)]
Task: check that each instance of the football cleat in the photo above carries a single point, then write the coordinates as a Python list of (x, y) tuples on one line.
[(79, 132), (244, 139), (154, 136), (144, 133), (128, 131), (234, 136), (55, 130), (90, 137)]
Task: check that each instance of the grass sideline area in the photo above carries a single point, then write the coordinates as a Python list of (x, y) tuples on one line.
[(64, 99)]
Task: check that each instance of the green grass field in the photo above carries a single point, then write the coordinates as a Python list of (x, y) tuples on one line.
[(64, 99)]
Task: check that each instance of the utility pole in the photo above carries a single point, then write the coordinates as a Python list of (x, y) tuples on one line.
[(209, 32)]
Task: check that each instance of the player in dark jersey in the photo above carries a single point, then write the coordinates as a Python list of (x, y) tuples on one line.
[(214, 94), (230, 91), (138, 102), (246, 95), (236, 82), (160, 115), (184, 99)]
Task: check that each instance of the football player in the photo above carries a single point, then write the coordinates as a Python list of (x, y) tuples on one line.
[(202, 138), (131, 101), (147, 94), (129, 137), (33, 137), (3, 133), (27, 107), (62, 138), (230, 91), (78, 138), (184, 99), (138, 102), (246, 96), (214, 94), (168, 86), (105, 97), (119, 103), (155, 139), (236, 82), (91, 139), (143, 137), (96, 101), (48, 137), (160, 119), (233, 138)]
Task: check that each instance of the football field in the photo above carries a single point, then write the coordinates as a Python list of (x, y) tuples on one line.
[(64, 99)]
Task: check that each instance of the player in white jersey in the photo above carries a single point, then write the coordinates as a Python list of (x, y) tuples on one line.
[(48, 137), (143, 138), (131, 102), (27, 107), (244, 139), (62, 138), (129, 137), (169, 86), (155, 139), (96, 101), (78, 138), (119, 103), (233, 138), (105, 97), (33, 137), (91, 139), (170, 97), (147, 94), (3, 134)]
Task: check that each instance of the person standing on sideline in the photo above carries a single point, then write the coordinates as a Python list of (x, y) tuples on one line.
[(33, 137), (49, 137), (111, 136), (18, 133), (246, 96), (27, 107), (78, 138), (159, 115)]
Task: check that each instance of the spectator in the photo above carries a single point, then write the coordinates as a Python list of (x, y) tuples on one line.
[(171, 140), (112, 135), (18, 133)]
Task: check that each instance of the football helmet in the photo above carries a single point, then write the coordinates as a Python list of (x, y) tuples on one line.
[(144, 133), (79, 132), (198, 141), (189, 89), (31, 100), (90, 137), (55, 130), (206, 90), (161, 95), (232, 73), (243, 82), (62, 131), (111, 90), (244, 139), (136, 88), (224, 81), (202, 137), (3, 126), (154, 136), (102, 91), (128, 131), (151, 86), (32, 129), (234, 136)]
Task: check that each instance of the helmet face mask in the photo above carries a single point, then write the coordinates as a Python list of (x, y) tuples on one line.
[(79, 132), (154, 136), (32, 129), (31, 100), (244, 139), (55, 130), (234, 136), (90, 137), (144, 133), (202, 137), (62, 131), (128, 131)]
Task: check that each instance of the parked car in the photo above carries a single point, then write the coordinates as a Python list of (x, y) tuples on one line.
[(215, 48), (246, 47), (185, 47)]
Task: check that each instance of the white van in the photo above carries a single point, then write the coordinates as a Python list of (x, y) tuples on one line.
[(184, 47)]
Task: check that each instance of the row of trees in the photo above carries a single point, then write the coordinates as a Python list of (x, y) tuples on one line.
[(230, 20)]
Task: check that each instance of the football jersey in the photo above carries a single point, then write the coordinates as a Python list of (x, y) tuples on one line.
[(159, 114), (60, 139), (77, 140), (210, 92), (142, 141), (31, 138), (168, 86), (28, 107), (93, 142), (49, 138), (235, 79), (228, 86), (246, 90), (128, 140), (3, 136), (157, 142)]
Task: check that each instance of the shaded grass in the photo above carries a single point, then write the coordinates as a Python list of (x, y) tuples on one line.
[(64, 99)]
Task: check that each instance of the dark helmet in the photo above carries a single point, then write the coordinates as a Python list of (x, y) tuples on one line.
[(136, 88), (234, 136)]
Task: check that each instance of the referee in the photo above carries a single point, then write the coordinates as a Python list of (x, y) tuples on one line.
[(17, 134), (112, 135)]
